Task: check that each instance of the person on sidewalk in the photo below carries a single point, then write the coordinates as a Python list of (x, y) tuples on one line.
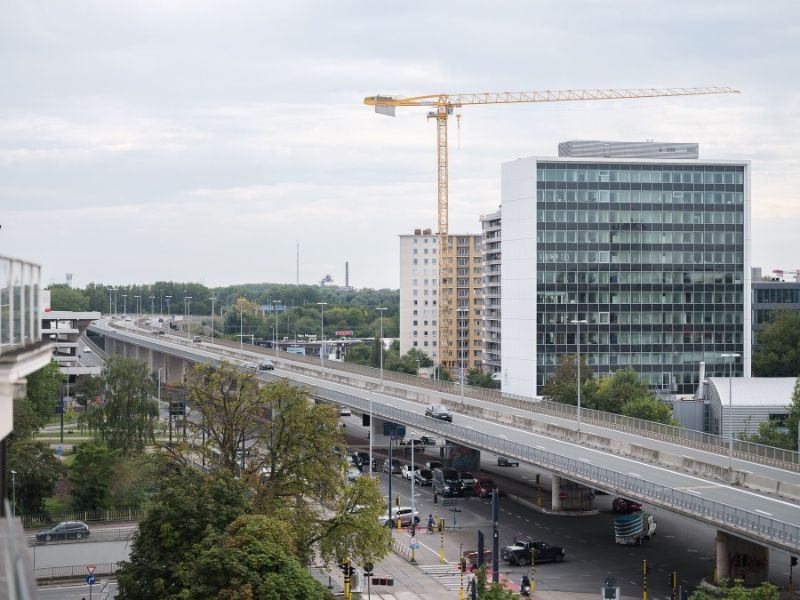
[(430, 523)]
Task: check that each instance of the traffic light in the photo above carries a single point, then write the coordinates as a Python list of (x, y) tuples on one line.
[(793, 561)]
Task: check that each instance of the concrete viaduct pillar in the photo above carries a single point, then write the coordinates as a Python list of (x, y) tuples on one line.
[(555, 493), (738, 558)]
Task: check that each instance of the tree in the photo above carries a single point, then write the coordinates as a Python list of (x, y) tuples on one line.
[(64, 297), (252, 560), (624, 386), (493, 591), (765, 591), (232, 411), (478, 378), (43, 390), (92, 475), (778, 351), (188, 506), (562, 386), (360, 354), (375, 354), (649, 409), (769, 434), (37, 471), (128, 417), (88, 389)]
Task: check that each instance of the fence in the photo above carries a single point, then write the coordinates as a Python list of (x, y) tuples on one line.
[(717, 513), (75, 571), (91, 516), (19, 304)]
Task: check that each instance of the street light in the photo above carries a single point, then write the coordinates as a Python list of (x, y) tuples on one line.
[(188, 304), (381, 309), (322, 338), (168, 298), (13, 493), (241, 327), (275, 312), (213, 299), (578, 323), (124, 304), (733, 358), (138, 305), (110, 309), (152, 306)]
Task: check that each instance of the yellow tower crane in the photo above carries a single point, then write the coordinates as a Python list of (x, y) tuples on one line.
[(442, 106)]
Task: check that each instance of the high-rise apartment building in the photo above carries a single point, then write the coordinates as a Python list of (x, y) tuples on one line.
[(649, 258), (419, 301), (491, 226)]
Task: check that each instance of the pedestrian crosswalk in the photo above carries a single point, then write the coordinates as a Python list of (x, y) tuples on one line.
[(447, 576)]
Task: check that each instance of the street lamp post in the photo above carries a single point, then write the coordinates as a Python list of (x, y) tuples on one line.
[(188, 301), (152, 306), (213, 299), (733, 358), (322, 340), (124, 304), (138, 305), (275, 312), (578, 323), (168, 298), (110, 305), (241, 328), (13, 493), (381, 309)]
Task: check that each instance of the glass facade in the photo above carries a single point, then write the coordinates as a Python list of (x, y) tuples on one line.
[(769, 296), (652, 257)]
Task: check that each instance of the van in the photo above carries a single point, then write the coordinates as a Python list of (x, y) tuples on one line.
[(447, 482), (196, 339)]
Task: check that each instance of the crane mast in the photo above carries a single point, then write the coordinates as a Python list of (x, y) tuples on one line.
[(443, 105)]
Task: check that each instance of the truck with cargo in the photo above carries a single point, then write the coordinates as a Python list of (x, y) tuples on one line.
[(633, 528)]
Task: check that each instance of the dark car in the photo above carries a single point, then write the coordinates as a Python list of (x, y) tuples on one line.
[(520, 553), (363, 458), (439, 411), (428, 440), (266, 365), (433, 464), (624, 506), (423, 477), (66, 530), (393, 467), (483, 487)]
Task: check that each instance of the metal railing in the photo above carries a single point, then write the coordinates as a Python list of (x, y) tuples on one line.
[(75, 571), (717, 513), (19, 304), (758, 453), (40, 520)]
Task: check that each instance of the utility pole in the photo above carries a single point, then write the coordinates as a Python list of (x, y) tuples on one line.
[(496, 537), (213, 299)]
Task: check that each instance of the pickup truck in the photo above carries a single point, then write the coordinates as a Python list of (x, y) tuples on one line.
[(520, 553), (504, 461), (632, 529)]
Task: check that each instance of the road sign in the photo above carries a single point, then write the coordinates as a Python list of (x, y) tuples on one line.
[(90, 579), (90, 569)]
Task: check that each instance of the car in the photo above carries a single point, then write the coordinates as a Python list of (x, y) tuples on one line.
[(520, 553), (393, 467), (439, 411), (407, 472), (433, 464), (363, 458), (353, 473), (66, 530), (625, 506), (266, 365), (344, 411), (404, 513), (415, 442), (160, 332), (447, 483), (86, 350), (467, 480), (196, 339), (423, 477), (504, 461), (483, 487), (428, 440)]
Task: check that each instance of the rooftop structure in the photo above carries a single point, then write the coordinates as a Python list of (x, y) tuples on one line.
[(755, 399), (601, 149)]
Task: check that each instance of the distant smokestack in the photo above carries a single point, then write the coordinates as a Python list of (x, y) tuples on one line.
[(347, 274)]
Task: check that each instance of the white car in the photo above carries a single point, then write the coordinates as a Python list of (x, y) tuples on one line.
[(344, 411), (353, 473), (86, 350), (404, 513), (407, 472)]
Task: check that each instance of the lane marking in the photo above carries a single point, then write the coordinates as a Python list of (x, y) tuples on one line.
[(634, 474), (764, 513)]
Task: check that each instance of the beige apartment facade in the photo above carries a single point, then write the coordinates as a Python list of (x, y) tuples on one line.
[(460, 307)]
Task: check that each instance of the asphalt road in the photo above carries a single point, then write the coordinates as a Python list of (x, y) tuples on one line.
[(78, 553), (103, 589)]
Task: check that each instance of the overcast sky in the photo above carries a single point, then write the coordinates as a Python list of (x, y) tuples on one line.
[(199, 140)]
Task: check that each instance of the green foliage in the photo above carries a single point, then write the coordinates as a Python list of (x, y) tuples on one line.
[(769, 435), (188, 506), (252, 560), (43, 391), (91, 476), (37, 471), (88, 389), (26, 421), (649, 409), (562, 384), (778, 348), (375, 355), (64, 297), (478, 378), (129, 415), (624, 386), (134, 480), (765, 591), (492, 591), (360, 354), (443, 374)]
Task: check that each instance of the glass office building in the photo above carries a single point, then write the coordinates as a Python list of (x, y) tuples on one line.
[(651, 256)]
